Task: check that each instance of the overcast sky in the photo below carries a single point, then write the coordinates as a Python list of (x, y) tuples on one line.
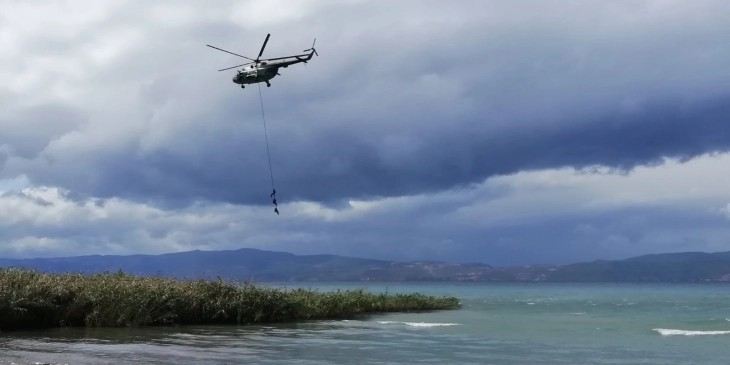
[(504, 132)]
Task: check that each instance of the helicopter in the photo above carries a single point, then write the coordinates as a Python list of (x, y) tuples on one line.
[(265, 69)]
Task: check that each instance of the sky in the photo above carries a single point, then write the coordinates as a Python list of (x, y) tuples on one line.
[(503, 132)]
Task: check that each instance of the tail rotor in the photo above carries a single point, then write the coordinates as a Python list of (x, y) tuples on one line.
[(312, 49)]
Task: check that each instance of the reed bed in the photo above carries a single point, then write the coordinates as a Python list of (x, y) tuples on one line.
[(31, 299)]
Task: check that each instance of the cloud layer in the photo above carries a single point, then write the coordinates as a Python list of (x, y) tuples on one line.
[(404, 139)]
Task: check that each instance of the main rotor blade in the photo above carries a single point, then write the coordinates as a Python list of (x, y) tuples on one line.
[(281, 58), (264, 46), (235, 66), (235, 54)]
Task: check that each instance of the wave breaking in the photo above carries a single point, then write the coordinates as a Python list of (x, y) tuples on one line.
[(421, 324), (675, 332)]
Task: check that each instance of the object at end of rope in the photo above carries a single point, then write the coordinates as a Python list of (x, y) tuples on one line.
[(273, 200)]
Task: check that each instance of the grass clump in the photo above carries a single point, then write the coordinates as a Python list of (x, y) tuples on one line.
[(30, 299)]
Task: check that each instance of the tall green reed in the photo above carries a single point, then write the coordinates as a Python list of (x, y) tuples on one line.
[(30, 299)]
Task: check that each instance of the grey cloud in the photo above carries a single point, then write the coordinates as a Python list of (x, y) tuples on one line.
[(27, 132), (552, 219), (416, 99), (340, 165)]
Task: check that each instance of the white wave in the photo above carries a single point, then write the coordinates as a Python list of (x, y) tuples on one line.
[(672, 332), (421, 324), (424, 324)]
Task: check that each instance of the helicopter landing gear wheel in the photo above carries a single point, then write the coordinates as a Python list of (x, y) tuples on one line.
[(268, 84)]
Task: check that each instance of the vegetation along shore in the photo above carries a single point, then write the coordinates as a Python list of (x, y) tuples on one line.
[(31, 299)]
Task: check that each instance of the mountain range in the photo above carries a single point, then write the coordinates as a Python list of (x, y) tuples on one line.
[(248, 264)]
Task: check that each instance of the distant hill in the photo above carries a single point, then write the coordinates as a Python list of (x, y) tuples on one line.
[(262, 266), (668, 267), (257, 265)]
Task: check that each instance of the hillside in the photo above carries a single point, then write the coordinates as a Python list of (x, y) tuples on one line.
[(269, 266), (669, 267), (258, 265)]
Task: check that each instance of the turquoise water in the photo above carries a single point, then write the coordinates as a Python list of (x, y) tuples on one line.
[(498, 324)]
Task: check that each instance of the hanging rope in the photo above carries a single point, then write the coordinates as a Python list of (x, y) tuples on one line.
[(268, 153)]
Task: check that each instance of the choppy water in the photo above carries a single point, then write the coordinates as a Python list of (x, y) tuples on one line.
[(499, 324)]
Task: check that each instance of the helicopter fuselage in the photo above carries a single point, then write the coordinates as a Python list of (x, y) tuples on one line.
[(266, 70), (254, 74)]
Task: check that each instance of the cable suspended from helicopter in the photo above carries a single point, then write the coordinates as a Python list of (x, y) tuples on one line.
[(268, 155), (265, 69)]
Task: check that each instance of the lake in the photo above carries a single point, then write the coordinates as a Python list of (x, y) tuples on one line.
[(536, 323)]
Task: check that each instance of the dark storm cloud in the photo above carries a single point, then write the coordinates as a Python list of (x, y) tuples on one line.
[(28, 131), (420, 98), (424, 130), (340, 164)]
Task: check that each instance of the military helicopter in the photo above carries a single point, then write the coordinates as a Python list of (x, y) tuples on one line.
[(265, 69)]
